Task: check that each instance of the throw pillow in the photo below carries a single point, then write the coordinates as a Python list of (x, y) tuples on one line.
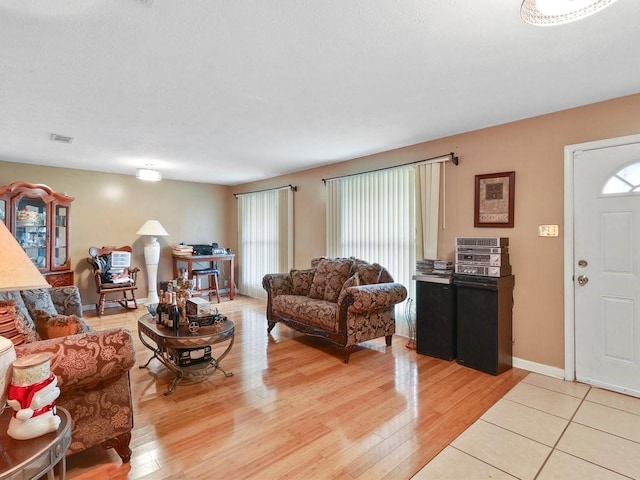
[(301, 280), (38, 299), (55, 326), (352, 281), (8, 327), (369, 273), (67, 300), (385, 276), (24, 318), (23, 321), (329, 277)]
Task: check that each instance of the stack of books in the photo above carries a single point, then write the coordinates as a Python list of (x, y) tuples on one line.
[(442, 267), (424, 267), (182, 250), (434, 267)]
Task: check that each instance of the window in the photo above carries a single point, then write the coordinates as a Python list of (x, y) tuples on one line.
[(378, 217), (626, 180), (265, 234)]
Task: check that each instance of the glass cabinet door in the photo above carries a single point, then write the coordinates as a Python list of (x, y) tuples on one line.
[(31, 229), (60, 236), (3, 211)]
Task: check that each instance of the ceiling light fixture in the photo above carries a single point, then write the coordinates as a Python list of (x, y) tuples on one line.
[(556, 12), (148, 175)]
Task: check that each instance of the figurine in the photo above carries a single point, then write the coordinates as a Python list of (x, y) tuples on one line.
[(32, 396)]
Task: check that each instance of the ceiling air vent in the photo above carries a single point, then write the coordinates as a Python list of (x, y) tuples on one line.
[(54, 137)]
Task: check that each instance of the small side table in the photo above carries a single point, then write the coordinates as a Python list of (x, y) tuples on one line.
[(33, 458)]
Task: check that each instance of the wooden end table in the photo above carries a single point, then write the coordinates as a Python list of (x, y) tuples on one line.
[(33, 458), (167, 342)]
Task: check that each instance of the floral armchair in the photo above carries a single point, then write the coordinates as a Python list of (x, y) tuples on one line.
[(92, 366)]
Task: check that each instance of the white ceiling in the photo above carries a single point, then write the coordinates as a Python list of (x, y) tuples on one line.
[(231, 91)]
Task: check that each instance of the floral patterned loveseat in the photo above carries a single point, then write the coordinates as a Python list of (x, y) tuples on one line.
[(345, 300), (92, 367)]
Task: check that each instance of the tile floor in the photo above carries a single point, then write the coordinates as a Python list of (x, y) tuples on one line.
[(545, 428)]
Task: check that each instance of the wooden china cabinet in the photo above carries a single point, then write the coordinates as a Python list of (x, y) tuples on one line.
[(38, 218)]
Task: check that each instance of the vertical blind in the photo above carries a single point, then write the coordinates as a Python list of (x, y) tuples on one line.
[(381, 216), (265, 233)]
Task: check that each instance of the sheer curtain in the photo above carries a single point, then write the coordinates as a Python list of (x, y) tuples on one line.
[(427, 207), (265, 237), (381, 216)]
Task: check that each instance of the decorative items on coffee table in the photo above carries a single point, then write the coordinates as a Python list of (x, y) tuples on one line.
[(183, 332)]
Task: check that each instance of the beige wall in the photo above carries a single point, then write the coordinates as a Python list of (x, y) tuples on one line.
[(110, 208), (534, 149)]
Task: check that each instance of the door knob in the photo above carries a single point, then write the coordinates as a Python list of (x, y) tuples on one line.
[(583, 280)]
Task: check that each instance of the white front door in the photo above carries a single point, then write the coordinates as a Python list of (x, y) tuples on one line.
[(606, 266)]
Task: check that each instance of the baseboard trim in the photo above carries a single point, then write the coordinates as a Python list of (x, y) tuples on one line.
[(92, 306), (538, 368), (528, 365), (143, 301)]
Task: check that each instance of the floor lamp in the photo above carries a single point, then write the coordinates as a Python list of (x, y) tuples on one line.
[(153, 229)]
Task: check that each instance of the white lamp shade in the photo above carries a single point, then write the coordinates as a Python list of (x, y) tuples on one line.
[(153, 228), (17, 271)]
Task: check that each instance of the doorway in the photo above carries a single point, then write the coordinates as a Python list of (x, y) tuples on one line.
[(602, 263)]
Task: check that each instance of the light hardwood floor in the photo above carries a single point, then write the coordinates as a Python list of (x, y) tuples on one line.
[(293, 409)]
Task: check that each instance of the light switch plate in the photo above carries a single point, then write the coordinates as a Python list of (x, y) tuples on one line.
[(548, 230)]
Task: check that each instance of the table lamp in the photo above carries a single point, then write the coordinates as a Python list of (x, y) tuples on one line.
[(17, 272), (153, 229), (7, 356)]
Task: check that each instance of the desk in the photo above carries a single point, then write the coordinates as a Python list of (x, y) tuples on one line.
[(190, 260), (33, 458)]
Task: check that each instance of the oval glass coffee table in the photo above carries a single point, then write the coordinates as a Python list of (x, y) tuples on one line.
[(187, 354)]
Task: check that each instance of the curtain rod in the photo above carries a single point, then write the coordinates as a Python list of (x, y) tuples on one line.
[(292, 187), (439, 159)]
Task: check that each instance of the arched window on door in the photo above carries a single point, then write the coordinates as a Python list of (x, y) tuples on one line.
[(626, 180)]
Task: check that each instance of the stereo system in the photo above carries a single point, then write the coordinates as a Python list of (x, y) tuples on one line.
[(485, 256), (493, 259), (482, 242), (206, 250)]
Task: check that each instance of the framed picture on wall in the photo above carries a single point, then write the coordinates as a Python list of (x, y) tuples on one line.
[(494, 199)]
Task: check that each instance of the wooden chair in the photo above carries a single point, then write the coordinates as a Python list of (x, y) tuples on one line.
[(110, 281)]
